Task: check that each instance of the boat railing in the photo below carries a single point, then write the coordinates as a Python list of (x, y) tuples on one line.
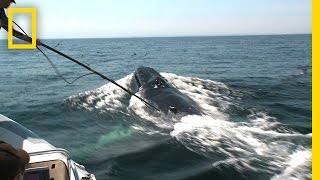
[(71, 165)]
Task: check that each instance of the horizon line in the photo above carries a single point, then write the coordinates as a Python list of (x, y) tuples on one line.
[(176, 36)]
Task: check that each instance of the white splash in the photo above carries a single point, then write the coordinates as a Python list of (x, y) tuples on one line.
[(284, 154), (206, 93), (244, 144), (298, 166), (109, 97)]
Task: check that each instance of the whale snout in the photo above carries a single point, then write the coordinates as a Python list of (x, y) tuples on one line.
[(158, 91)]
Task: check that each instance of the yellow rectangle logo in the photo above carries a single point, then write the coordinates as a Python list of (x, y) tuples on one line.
[(33, 44)]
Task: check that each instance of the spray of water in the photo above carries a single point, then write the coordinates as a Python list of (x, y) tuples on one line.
[(259, 143)]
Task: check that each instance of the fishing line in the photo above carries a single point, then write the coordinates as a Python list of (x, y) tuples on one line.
[(51, 63), (58, 72), (99, 74), (90, 69), (57, 44)]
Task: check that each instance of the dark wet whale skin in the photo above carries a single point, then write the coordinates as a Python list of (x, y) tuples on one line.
[(159, 92)]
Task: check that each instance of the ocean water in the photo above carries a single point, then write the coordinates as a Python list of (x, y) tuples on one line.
[(255, 93)]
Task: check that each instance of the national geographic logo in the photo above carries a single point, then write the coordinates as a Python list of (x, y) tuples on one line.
[(33, 44)]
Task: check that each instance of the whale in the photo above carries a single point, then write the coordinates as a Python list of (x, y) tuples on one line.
[(159, 92)]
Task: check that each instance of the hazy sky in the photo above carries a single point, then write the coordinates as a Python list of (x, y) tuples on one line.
[(145, 18)]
